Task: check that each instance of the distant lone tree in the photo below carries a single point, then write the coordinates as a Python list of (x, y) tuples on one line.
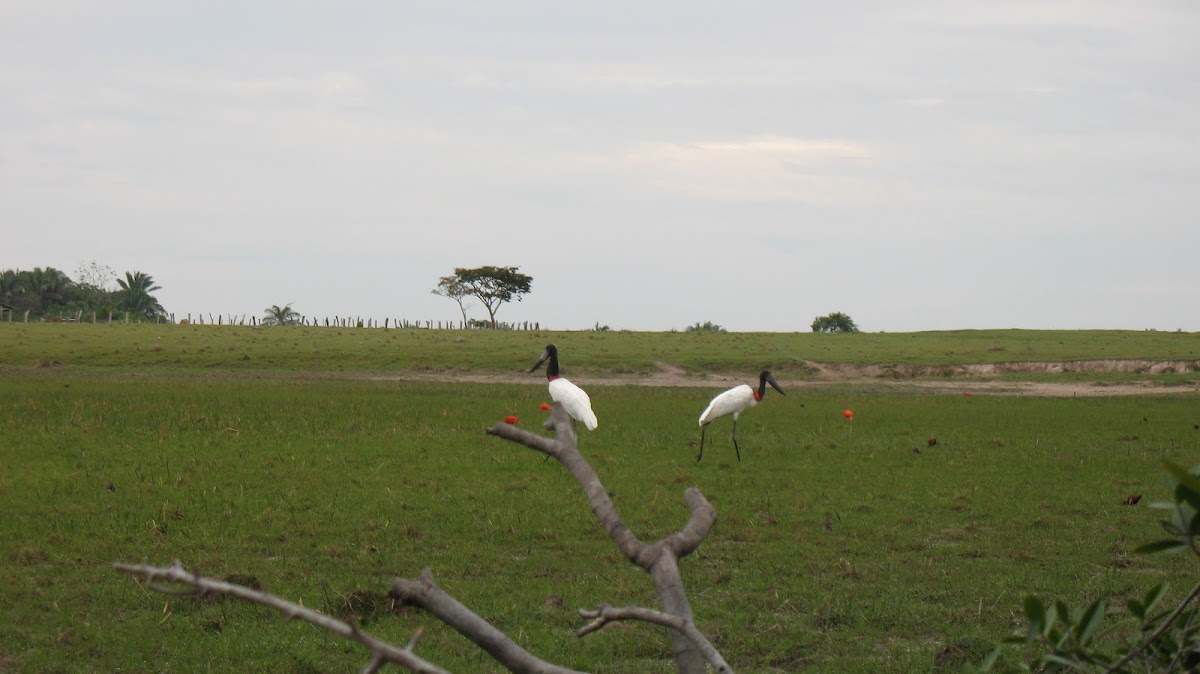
[(277, 315), (835, 322), (451, 287), (493, 286), (706, 326)]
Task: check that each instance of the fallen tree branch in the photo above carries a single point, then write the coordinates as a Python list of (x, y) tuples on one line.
[(607, 614), (689, 648), (380, 651), (425, 593)]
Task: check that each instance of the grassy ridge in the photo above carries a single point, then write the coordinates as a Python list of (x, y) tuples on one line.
[(324, 350), (840, 546)]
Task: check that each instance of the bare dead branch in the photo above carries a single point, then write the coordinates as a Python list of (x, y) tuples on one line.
[(602, 506), (524, 437), (412, 643), (425, 593), (175, 575), (376, 663), (607, 614), (660, 560), (703, 517)]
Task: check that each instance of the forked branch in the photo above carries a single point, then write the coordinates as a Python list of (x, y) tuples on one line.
[(660, 559), (607, 614)]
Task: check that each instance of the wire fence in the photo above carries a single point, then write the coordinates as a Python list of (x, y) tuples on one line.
[(10, 316)]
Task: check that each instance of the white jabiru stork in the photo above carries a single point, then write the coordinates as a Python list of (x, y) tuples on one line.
[(735, 401), (574, 400)]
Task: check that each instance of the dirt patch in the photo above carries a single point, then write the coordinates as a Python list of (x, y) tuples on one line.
[(932, 379)]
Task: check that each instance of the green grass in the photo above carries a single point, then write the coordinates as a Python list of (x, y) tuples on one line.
[(225, 349), (840, 546)]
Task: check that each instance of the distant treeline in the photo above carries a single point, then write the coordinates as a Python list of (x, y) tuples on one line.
[(45, 293)]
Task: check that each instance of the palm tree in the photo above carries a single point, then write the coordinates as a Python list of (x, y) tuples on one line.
[(134, 295), (49, 286), (277, 315), (10, 286)]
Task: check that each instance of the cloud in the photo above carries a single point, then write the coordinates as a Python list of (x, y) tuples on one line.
[(767, 167)]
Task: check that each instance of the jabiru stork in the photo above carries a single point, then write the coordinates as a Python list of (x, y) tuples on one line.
[(735, 401), (574, 400)]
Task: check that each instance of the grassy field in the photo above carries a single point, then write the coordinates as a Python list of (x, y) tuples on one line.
[(355, 350), (841, 546)]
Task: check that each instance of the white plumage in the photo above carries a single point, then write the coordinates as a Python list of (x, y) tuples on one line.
[(574, 400), (733, 402)]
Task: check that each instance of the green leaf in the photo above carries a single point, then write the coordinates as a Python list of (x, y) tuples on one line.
[(1188, 486), (1168, 545), (984, 666), (1091, 620), (1062, 613), (1172, 526), (1035, 613), (1136, 609), (1072, 663), (1154, 595)]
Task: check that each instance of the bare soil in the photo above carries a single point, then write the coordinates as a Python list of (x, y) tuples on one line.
[(939, 379)]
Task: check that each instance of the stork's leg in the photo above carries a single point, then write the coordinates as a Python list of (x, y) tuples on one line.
[(735, 446), (701, 454)]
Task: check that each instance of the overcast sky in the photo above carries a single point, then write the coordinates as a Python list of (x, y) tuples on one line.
[(931, 164)]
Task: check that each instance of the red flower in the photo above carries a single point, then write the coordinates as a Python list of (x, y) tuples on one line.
[(967, 393), (511, 420), (544, 407), (848, 414)]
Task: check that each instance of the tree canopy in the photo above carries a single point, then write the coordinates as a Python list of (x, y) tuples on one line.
[(835, 322), (492, 286)]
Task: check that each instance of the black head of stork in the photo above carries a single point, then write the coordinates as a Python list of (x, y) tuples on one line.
[(551, 354), (765, 378)]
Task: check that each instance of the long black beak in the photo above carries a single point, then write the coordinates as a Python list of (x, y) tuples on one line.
[(542, 359), (774, 384)]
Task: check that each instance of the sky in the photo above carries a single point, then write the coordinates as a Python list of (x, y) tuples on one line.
[(926, 165)]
